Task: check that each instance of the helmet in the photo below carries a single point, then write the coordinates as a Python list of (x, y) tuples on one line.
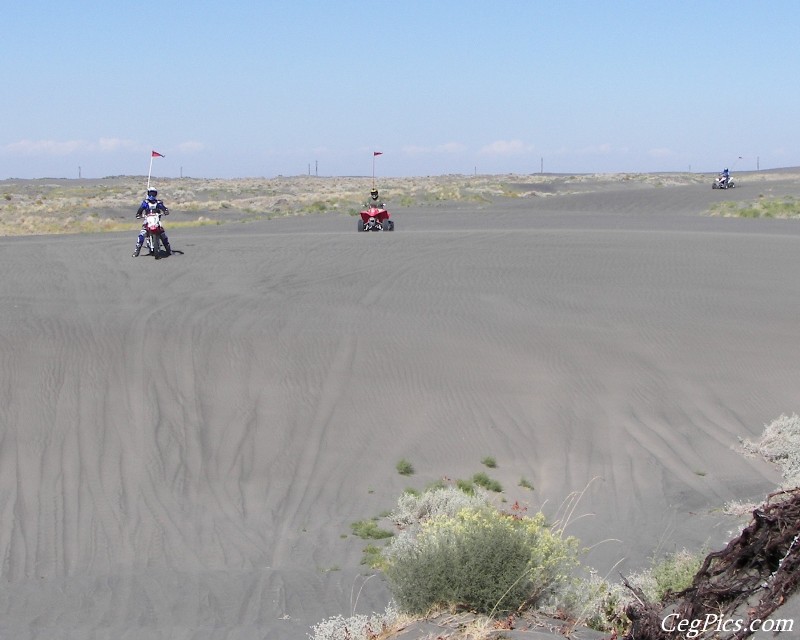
[(151, 195), (374, 194)]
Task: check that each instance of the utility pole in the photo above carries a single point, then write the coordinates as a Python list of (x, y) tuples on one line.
[(541, 168), (316, 168), (79, 172)]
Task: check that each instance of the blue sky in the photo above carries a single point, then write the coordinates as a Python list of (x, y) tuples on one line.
[(242, 89)]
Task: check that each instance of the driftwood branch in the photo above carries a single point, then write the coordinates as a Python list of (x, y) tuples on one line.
[(748, 580)]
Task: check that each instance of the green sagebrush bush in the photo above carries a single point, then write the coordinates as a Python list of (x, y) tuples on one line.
[(478, 559), (676, 572), (601, 604)]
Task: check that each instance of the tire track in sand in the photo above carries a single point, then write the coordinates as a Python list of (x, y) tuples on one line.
[(335, 384)]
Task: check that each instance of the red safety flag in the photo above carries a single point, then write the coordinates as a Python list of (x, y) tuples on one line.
[(156, 154), (377, 153)]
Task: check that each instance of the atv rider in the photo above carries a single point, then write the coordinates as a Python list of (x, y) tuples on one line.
[(150, 203), (374, 204), (725, 175)]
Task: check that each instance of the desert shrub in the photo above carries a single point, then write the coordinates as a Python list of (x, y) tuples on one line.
[(414, 508), (738, 508), (369, 530), (372, 557), (358, 627), (318, 206), (482, 480), (780, 444), (480, 559), (523, 482), (404, 467), (675, 572), (599, 604), (465, 486), (489, 461)]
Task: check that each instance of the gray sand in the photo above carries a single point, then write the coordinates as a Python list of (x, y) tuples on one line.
[(184, 443)]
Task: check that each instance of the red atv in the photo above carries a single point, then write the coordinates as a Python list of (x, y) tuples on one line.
[(375, 218)]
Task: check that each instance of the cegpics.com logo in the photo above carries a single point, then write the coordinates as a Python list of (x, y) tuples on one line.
[(713, 623)]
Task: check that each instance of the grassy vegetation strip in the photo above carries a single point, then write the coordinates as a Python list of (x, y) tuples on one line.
[(47, 206), (786, 207)]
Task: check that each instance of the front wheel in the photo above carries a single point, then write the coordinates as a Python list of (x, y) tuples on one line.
[(388, 225), (360, 224), (156, 246)]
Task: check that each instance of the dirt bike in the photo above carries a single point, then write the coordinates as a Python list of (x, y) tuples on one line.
[(153, 230)]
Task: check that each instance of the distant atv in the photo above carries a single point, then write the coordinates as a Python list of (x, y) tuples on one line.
[(721, 182), (375, 218)]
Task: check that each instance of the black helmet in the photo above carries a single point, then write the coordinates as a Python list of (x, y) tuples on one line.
[(374, 194)]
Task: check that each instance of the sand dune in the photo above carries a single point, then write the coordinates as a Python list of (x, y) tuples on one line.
[(184, 443)]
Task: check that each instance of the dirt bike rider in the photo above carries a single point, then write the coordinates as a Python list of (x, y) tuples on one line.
[(149, 203)]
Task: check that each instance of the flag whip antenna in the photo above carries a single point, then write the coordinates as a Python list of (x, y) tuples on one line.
[(374, 155), (153, 154), (149, 171)]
